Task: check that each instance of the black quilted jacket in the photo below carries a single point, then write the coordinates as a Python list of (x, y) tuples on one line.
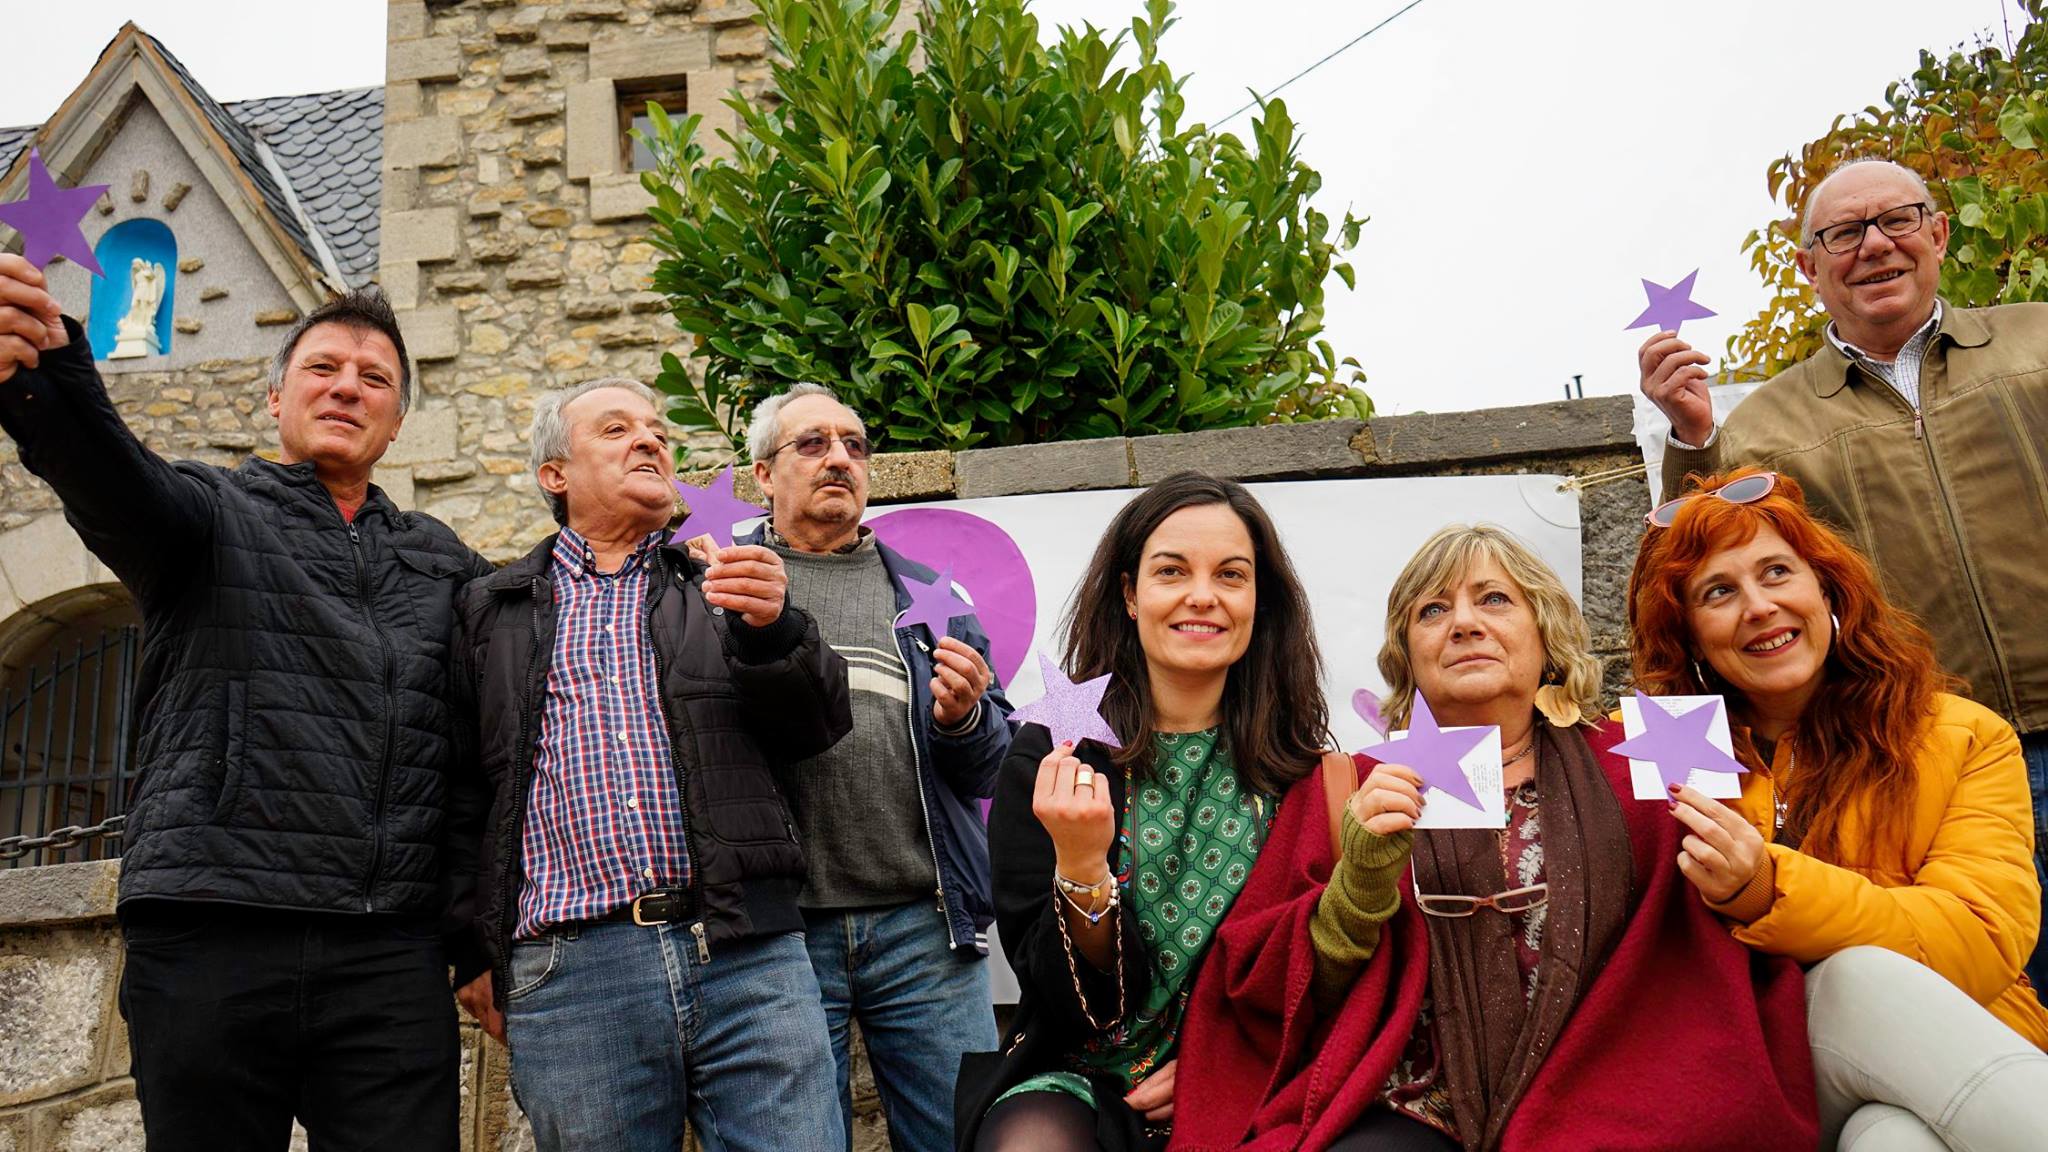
[(737, 700), (296, 731)]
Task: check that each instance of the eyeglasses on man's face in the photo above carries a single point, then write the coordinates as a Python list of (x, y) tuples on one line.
[(817, 445), (1844, 238)]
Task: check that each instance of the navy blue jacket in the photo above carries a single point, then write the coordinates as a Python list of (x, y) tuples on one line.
[(954, 773)]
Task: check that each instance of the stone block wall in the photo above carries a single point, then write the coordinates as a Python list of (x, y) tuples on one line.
[(513, 232)]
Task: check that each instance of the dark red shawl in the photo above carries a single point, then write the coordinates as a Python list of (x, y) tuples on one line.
[(1686, 1040)]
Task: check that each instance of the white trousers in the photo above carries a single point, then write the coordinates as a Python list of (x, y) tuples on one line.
[(1905, 1062)]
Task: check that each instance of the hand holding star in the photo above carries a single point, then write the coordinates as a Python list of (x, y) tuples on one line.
[(959, 677), (750, 580), (31, 323), (1720, 851)]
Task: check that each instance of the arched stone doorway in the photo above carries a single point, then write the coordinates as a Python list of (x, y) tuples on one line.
[(68, 664)]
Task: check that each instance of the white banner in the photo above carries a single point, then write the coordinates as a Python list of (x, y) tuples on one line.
[(1020, 558)]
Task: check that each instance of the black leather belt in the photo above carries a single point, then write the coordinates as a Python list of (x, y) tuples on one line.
[(661, 906)]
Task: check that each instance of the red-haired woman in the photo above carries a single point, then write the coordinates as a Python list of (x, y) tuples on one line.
[(1884, 835)]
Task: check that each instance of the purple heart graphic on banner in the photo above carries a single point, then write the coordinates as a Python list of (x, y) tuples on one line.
[(984, 561)]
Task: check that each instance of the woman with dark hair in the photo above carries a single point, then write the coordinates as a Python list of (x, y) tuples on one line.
[(1883, 834), (1552, 984), (1113, 868)]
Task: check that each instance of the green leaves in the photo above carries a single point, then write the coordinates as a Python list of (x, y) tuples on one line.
[(1016, 242)]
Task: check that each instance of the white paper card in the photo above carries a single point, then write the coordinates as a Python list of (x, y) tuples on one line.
[(1482, 767), (1642, 774)]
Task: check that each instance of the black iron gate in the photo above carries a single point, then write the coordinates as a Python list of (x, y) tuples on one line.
[(67, 750)]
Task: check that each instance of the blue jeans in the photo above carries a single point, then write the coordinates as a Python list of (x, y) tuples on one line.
[(618, 1031), (2036, 747), (920, 1005)]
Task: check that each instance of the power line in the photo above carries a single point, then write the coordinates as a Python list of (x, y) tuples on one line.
[(1318, 64)]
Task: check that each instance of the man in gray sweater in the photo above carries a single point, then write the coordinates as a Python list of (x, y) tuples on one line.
[(896, 897)]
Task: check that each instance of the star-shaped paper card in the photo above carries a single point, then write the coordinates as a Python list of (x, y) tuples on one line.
[(48, 217), (1670, 307), (1678, 740), (1460, 769), (932, 605), (1068, 710), (1367, 706), (713, 510)]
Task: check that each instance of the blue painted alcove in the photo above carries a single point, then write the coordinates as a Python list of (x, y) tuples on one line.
[(152, 241)]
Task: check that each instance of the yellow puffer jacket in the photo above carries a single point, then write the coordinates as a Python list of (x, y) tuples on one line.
[(1967, 904)]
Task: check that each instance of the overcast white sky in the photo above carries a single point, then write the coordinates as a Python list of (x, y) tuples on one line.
[(1524, 164)]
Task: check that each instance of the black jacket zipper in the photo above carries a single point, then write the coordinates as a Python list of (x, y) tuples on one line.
[(384, 767)]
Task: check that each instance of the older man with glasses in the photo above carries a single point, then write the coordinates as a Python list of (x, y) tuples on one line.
[(896, 899), (1920, 429)]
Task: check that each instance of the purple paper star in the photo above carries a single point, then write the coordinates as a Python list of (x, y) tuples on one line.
[(1434, 753), (48, 217), (1367, 706), (1069, 711), (1670, 307), (1677, 744), (932, 605), (713, 509)]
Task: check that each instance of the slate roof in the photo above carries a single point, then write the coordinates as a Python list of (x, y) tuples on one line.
[(329, 147), (12, 141)]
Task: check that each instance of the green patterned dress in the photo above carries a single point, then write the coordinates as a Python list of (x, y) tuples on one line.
[(1196, 831)]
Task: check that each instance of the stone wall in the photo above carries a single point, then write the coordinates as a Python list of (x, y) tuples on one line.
[(63, 1064), (513, 235)]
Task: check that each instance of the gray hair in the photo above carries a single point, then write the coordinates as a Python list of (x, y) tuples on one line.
[(763, 428), (548, 439), (1806, 217), (363, 310)]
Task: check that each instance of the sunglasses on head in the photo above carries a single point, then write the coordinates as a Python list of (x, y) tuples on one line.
[(1747, 490)]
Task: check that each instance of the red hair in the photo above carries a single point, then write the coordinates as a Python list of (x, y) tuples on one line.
[(1864, 726)]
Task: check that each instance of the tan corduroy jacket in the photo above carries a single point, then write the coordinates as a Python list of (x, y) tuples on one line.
[(1950, 504)]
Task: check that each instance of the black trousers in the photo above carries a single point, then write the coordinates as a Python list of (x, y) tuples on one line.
[(240, 1019)]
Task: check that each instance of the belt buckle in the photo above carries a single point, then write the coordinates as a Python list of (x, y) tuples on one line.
[(637, 900)]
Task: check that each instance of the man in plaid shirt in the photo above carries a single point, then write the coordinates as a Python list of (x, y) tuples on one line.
[(640, 871)]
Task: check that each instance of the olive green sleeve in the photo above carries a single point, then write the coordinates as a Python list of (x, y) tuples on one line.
[(1363, 893)]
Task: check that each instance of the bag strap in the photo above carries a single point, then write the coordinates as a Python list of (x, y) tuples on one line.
[(1340, 780)]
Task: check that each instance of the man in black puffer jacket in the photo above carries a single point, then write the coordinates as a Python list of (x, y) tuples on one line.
[(639, 876), (303, 833)]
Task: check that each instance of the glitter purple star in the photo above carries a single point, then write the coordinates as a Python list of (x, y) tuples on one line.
[(1670, 307), (1434, 753), (713, 509), (1677, 744), (1068, 710), (48, 217), (932, 605)]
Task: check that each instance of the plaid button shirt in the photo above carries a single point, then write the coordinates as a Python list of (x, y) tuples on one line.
[(1903, 372), (604, 822)]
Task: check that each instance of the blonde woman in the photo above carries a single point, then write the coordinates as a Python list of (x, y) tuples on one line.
[(1552, 984)]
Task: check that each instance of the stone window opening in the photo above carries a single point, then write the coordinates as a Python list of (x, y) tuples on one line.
[(671, 93)]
